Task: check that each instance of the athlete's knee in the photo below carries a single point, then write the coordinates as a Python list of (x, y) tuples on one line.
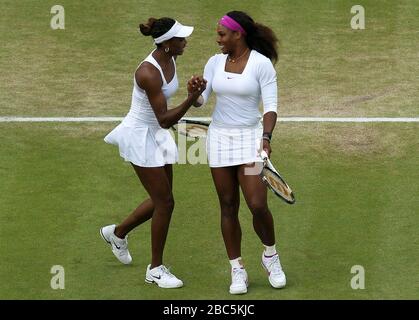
[(229, 207), (165, 203), (258, 208), (170, 203)]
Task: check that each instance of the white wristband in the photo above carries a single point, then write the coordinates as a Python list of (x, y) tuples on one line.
[(200, 100)]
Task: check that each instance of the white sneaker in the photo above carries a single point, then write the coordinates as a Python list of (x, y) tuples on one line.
[(162, 277), (239, 281), (119, 246), (273, 266)]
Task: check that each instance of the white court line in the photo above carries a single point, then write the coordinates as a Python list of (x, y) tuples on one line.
[(366, 119), (280, 119), (60, 119)]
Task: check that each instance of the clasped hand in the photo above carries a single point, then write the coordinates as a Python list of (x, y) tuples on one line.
[(196, 85)]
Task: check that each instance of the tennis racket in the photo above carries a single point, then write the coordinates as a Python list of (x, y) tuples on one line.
[(274, 181), (192, 128)]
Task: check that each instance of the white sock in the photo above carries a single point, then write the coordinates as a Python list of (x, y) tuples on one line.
[(270, 251), (236, 263)]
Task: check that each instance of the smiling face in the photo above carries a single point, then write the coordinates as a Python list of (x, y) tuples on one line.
[(226, 39), (177, 46)]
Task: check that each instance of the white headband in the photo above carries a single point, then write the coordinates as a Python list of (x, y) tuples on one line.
[(177, 30)]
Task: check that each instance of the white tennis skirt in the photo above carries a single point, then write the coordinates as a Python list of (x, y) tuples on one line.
[(233, 146), (144, 145)]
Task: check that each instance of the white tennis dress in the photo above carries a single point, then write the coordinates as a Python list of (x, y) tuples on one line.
[(139, 136), (234, 136)]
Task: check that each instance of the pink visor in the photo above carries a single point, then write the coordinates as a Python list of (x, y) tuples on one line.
[(232, 24)]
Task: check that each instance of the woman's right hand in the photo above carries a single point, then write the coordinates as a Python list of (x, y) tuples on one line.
[(196, 85)]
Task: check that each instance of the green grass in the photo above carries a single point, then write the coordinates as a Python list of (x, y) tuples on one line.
[(356, 184), (356, 204), (325, 67)]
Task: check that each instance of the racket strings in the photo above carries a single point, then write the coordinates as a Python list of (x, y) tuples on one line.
[(196, 130), (277, 184), (193, 130)]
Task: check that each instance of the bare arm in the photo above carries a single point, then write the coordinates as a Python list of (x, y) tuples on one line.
[(193, 84), (146, 75), (269, 122)]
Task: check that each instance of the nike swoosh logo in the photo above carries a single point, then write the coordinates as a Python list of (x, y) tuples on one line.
[(156, 277), (113, 242)]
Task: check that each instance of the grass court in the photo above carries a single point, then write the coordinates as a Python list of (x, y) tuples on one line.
[(356, 184)]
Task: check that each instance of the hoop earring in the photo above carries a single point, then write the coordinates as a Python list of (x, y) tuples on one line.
[(167, 49)]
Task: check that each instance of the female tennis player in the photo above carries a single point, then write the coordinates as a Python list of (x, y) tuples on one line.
[(241, 76), (144, 141)]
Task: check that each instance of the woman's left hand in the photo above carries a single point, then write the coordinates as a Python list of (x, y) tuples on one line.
[(196, 84), (266, 145)]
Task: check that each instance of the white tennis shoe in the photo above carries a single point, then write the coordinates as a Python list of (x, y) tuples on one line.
[(119, 246), (162, 277), (272, 265), (239, 281)]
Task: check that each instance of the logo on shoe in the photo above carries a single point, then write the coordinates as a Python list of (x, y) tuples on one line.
[(118, 247), (156, 277)]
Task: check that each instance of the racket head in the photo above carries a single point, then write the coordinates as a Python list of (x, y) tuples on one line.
[(192, 128), (277, 184)]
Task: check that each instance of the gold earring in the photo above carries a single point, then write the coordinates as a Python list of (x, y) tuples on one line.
[(166, 49)]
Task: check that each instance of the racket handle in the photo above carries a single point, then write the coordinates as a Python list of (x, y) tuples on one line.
[(264, 155)]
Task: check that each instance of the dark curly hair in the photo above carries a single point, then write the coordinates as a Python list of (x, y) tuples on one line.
[(259, 37), (156, 27)]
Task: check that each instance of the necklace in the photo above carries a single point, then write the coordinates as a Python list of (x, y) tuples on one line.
[(235, 60)]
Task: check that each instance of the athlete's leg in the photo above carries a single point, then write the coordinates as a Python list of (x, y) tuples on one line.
[(141, 214), (158, 183), (227, 186), (255, 194)]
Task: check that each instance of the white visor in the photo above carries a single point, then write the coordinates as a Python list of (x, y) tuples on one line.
[(178, 30)]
